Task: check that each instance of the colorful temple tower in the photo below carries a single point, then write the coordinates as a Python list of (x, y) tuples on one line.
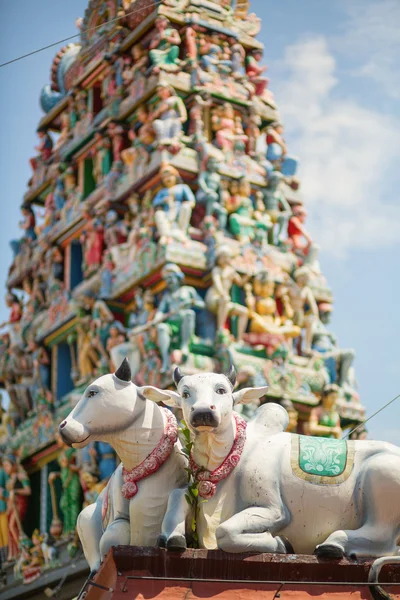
[(164, 222)]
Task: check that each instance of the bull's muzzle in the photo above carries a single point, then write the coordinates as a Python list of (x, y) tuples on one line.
[(203, 417), (72, 433)]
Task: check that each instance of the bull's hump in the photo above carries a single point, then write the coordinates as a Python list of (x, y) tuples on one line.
[(270, 419)]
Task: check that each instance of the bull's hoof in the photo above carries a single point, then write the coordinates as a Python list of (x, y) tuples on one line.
[(162, 541), (288, 546), (176, 543), (93, 573), (328, 551)]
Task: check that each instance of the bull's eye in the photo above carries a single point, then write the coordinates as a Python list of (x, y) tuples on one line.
[(220, 390), (91, 393), (185, 395)]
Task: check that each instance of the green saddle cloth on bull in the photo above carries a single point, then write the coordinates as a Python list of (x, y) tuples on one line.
[(322, 460)]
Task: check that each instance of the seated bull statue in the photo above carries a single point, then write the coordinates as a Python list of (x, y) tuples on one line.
[(131, 508), (271, 491)]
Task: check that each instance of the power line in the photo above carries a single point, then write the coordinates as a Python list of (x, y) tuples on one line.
[(369, 418), (71, 37)]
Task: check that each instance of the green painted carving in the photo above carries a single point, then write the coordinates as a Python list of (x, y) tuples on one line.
[(322, 456)]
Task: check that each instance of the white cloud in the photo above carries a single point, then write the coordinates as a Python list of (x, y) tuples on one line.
[(371, 36), (346, 151)]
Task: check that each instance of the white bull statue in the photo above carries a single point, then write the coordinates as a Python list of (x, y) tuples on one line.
[(271, 491), (131, 508)]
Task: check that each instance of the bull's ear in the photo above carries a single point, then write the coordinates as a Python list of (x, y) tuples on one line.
[(247, 395), (168, 397)]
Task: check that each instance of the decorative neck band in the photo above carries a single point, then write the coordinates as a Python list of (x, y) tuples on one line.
[(208, 480), (154, 460)]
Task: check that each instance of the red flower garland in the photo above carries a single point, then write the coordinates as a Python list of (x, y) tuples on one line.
[(208, 479), (154, 460)]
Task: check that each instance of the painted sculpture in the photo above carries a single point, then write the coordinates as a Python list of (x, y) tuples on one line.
[(151, 463), (176, 311), (304, 491)]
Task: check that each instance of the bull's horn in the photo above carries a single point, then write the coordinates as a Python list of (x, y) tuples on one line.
[(231, 375), (178, 375), (124, 371)]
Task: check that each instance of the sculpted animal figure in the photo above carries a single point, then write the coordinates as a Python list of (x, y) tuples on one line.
[(263, 486), (131, 508)]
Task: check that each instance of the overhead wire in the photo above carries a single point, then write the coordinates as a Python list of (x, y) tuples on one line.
[(71, 37), (369, 418)]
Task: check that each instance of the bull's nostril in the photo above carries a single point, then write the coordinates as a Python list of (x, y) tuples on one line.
[(192, 409), (63, 424), (212, 407)]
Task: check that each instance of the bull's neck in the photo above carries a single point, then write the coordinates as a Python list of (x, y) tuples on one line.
[(210, 449), (135, 443)]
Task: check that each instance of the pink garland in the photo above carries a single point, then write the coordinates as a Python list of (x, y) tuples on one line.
[(154, 460), (208, 479)]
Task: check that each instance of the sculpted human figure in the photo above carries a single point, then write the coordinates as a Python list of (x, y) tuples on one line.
[(244, 220), (173, 205), (338, 361), (18, 491), (297, 232), (210, 192), (304, 305), (277, 151), (277, 207), (168, 117), (71, 488), (324, 420), (223, 123), (218, 297), (263, 309), (255, 72), (164, 47), (176, 312)]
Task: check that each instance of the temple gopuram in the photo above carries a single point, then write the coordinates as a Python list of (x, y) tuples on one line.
[(163, 222)]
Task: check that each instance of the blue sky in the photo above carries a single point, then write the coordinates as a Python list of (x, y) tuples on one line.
[(333, 69)]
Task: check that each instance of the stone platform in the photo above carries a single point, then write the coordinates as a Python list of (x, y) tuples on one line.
[(151, 573)]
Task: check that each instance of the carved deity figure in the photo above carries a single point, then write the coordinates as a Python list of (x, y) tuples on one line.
[(223, 123), (164, 46), (102, 157), (93, 245), (168, 118), (244, 220), (304, 305), (277, 207), (218, 297), (173, 206), (263, 310), (324, 420), (255, 72), (71, 489), (277, 151), (210, 192), (175, 315), (297, 233), (338, 361), (18, 492)]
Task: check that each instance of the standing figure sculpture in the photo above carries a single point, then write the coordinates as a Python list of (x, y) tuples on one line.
[(218, 297), (173, 205), (18, 491), (210, 192), (176, 312), (70, 502), (304, 306), (274, 201)]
